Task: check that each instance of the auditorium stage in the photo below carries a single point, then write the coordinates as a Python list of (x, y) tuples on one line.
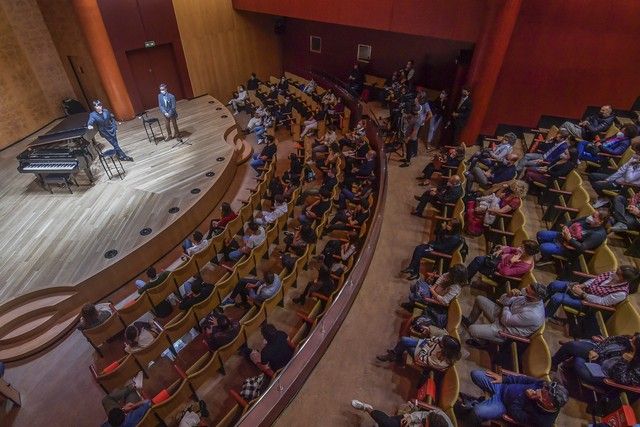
[(53, 246)]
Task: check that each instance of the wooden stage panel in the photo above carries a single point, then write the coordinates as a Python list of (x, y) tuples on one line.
[(59, 239)]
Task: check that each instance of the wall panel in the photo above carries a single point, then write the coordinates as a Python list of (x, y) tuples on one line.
[(222, 46), (32, 80), (435, 58), (564, 56)]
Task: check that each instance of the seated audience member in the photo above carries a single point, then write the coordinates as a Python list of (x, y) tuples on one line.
[(442, 289), (495, 155), (417, 417), (284, 112), (448, 239), (283, 85), (316, 210), (547, 174), (529, 401), (310, 87), (506, 260), (336, 253), (483, 211), (329, 100), (365, 169), (124, 407), (626, 213), (276, 352), (449, 192), (194, 245), (217, 226), (627, 174), (606, 289), (500, 172), (350, 220), (617, 356), (322, 145), (253, 83), (138, 336), (615, 145), (590, 127), (219, 330), (268, 151), (239, 100), (310, 123), (154, 279), (547, 153), (254, 288), (254, 236), (254, 122), (297, 242), (91, 316), (437, 353), (451, 158), (324, 285), (577, 236), (518, 312), (278, 209), (268, 122), (200, 291)]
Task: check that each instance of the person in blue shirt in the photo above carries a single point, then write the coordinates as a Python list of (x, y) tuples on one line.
[(616, 145), (124, 407), (104, 120), (529, 401), (500, 172), (167, 105)]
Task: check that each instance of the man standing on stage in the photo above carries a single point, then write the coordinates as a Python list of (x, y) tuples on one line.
[(107, 127), (167, 104)]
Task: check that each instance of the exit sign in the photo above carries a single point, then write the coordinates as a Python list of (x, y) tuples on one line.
[(149, 43)]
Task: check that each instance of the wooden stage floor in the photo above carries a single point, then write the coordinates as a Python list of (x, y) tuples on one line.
[(49, 240)]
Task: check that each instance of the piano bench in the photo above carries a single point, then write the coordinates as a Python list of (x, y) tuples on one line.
[(61, 179)]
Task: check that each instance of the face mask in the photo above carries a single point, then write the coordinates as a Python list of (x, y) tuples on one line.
[(620, 134), (589, 220), (443, 96), (163, 92)]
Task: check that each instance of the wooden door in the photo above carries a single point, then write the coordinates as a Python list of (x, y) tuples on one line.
[(153, 66)]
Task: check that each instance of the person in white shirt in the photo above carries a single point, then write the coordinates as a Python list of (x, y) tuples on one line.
[(322, 145), (309, 124), (254, 122), (417, 416), (254, 236), (239, 100), (194, 245), (269, 217), (310, 87)]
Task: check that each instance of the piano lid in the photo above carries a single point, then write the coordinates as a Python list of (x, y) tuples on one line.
[(73, 126)]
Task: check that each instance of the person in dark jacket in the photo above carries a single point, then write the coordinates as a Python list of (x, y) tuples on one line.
[(276, 353), (253, 83), (590, 127), (577, 236), (615, 145), (618, 357), (220, 330), (529, 401), (440, 162), (448, 238), (200, 291), (460, 114), (546, 174), (450, 192), (500, 172)]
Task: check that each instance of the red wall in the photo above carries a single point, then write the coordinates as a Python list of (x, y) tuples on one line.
[(566, 55), (435, 58), (132, 22), (447, 19)]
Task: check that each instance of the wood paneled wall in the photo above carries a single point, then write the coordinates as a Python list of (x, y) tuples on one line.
[(32, 79), (223, 46), (61, 20)]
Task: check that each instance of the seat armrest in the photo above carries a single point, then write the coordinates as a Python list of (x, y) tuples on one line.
[(598, 306), (514, 337), (239, 399), (512, 278), (614, 384), (583, 275), (440, 254)]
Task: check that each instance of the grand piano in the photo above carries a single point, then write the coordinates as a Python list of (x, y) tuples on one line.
[(65, 150)]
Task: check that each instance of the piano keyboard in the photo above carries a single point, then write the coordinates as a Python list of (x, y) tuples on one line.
[(62, 166)]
